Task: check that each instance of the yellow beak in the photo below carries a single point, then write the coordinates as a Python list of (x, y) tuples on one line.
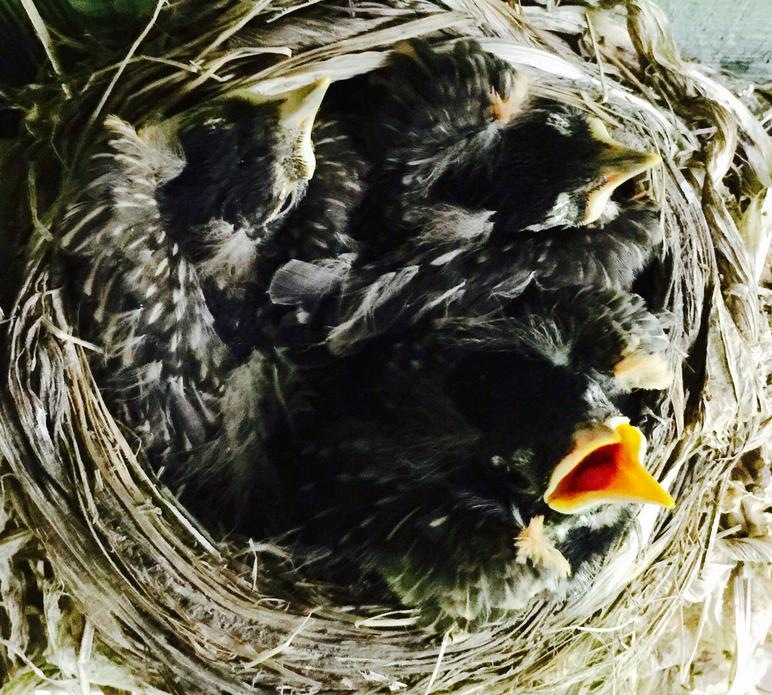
[(618, 164), (604, 466), (297, 114), (300, 106)]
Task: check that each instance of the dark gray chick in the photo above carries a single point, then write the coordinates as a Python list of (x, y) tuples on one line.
[(475, 463)]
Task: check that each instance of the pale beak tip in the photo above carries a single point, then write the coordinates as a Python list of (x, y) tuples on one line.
[(318, 89), (301, 106), (652, 160)]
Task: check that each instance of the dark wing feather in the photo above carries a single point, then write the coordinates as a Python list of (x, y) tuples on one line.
[(609, 255), (164, 371)]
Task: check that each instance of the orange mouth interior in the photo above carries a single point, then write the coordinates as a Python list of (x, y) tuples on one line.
[(598, 472)]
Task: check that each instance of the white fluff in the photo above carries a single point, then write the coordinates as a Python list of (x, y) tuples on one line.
[(232, 254)]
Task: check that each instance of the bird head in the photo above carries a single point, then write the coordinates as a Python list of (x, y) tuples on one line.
[(474, 467), (550, 166), (522, 506), (572, 166), (247, 159), (555, 430)]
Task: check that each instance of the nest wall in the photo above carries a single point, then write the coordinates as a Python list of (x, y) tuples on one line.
[(106, 579)]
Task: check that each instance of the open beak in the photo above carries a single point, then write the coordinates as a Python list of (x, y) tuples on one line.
[(618, 164), (297, 114), (604, 466)]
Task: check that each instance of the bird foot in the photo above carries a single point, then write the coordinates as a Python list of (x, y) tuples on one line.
[(643, 371), (532, 544)]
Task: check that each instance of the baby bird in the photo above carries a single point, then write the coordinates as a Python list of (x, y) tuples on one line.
[(457, 127), (476, 191), (160, 241), (477, 464), (141, 301), (246, 164)]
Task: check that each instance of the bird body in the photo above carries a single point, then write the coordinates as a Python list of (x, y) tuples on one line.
[(158, 241), (427, 455), (429, 111), (143, 302)]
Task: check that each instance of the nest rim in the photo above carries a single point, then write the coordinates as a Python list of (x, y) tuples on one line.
[(212, 611)]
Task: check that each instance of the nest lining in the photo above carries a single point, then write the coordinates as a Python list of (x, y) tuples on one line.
[(138, 596)]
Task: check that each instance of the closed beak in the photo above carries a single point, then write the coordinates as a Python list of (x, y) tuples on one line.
[(618, 164)]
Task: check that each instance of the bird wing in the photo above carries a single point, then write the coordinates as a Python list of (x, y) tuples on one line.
[(608, 255), (347, 300), (143, 304)]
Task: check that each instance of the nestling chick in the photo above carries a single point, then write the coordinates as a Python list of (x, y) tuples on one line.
[(165, 372), (247, 162), (457, 128), (475, 464), (477, 192)]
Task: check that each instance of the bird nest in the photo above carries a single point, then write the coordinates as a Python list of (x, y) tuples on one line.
[(104, 576)]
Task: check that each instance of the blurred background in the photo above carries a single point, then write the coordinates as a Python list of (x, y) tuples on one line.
[(732, 34)]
